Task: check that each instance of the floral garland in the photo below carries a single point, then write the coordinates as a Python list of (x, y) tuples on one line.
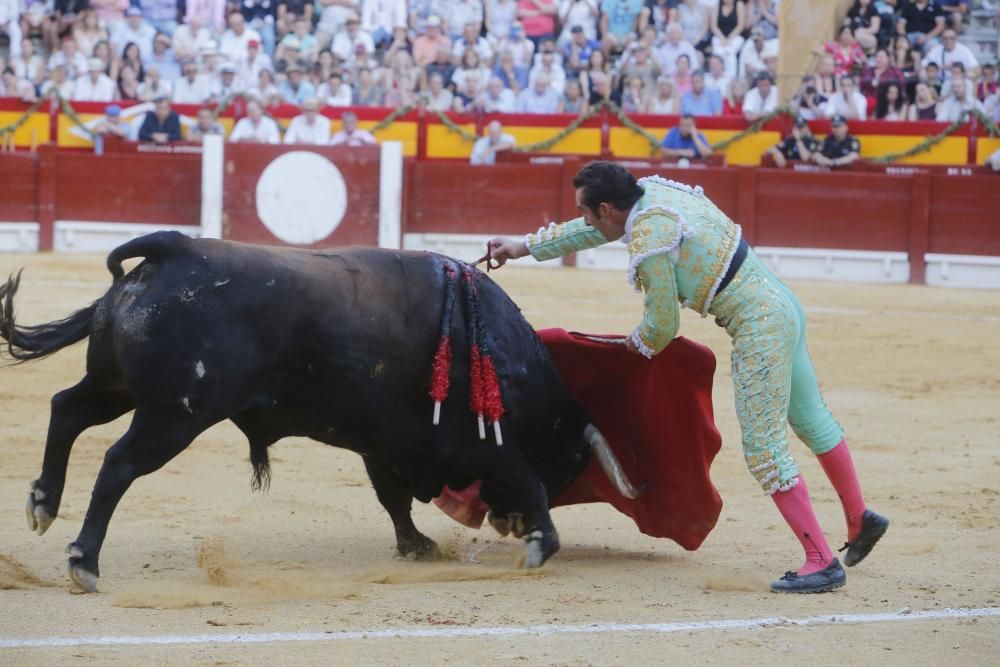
[(70, 112), (21, 120)]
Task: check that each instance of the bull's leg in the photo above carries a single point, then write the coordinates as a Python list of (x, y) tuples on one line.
[(392, 492), (154, 437), (73, 411), (520, 504)]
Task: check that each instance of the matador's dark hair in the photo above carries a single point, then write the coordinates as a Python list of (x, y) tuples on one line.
[(607, 182)]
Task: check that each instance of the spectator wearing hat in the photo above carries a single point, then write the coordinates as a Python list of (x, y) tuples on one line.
[(839, 148), (190, 37), (762, 99), (346, 43), (95, 85), (847, 102), (204, 126), (154, 86), (134, 29), (799, 145), (701, 100), (70, 57), (379, 17), (335, 93), (112, 125), (163, 58), (351, 134), (427, 46), (233, 44), (296, 89), (685, 141), (484, 151), (161, 14), (191, 88), (162, 125), (260, 16), (249, 69), (310, 127), (255, 127)]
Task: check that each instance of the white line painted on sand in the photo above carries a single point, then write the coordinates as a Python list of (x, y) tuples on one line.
[(502, 631)]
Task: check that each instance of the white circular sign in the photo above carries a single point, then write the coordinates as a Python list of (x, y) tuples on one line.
[(301, 197)]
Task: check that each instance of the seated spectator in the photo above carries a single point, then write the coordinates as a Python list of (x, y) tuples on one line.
[(555, 73), (163, 58), (892, 104), (442, 65), (865, 22), (574, 100), (95, 85), (599, 85), (134, 30), (58, 82), (701, 100), (958, 101), (956, 12), (520, 47), (308, 45), (582, 14), (673, 47), (732, 104), (539, 97), (763, 14), (986, 86), (228, 84), (161, 125), (204, 126), (88, 31), (335, 92), (346, 43), (715, 77), (633, 97), (882, 72), (71, 57), (485, 150), (127, 88), (259, 15), (924, 105), (471, 40), (256, 127), (847, 55), (465, 98), (848, 102), (400, 43), (191, 37), (751, 56), (367, 91), (404, 93), (332, 18), (685, 141), (191, 88), (762, 99), (438, 98), (808, 103), (826, 78), (11, 86), (921, 21), (639, 63), (29, 66), (577, 51), (799, 145), (249, 69), (728, 24), (266, 91), (839, 148), (132, 57), (289, 54), (682, 75), (154, 86), (696, 22), (513, 77), (950, 51), (112, 124), (310, 127), (379, 18), (350, 135), (427, 45), (471, 65), (619, 21), (295, 89), (462, 12), (496, 98), (547, 45), (665, 102)]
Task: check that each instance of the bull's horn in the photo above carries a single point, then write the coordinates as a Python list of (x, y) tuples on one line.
[(612, 468)]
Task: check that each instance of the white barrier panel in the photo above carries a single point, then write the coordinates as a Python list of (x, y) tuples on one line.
[(212, 159), (863, 266), (390, 195), (79, 236), (962, 271), (18, 237)]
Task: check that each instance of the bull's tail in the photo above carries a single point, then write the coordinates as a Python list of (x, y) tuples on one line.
[(35, 342), (154, 247)]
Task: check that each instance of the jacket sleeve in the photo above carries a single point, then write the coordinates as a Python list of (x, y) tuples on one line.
[(661, 311), (558, 240), (146, 130)]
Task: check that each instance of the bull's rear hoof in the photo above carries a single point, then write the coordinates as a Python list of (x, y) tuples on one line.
[(538, 548), (82, 578), (39, 518), (512, 523)]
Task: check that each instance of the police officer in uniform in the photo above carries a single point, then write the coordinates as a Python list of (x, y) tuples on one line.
[(800, 145), (839, 149)]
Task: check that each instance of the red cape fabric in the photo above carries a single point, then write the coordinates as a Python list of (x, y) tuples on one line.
[(656, 415)]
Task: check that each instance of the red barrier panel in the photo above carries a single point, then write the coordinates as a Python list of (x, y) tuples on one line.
[(283, 194), (964, 215), (19, 176)]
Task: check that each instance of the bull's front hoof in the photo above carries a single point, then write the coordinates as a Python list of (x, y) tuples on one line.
[(538, 548), (81, 576), (36, 511), (421, 548)]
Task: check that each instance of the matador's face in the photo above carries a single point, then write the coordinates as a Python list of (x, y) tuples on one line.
[(605, 218)]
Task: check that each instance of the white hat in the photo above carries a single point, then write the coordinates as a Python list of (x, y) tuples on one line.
[(434, 22)]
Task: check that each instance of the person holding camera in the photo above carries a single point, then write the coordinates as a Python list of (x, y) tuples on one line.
[(809, 102), (799, 145)]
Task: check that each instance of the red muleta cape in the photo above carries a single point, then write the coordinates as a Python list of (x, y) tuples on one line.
[(657, 416)]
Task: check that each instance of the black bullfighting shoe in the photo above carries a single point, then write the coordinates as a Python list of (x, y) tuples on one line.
[(873, 527), (827, 579)]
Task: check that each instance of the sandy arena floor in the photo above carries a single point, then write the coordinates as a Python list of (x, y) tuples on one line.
[(910, 371)]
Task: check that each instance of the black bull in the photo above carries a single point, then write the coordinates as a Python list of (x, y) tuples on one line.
[(331, 345)]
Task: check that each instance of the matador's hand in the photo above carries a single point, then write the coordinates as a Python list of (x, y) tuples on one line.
[(503, 249)]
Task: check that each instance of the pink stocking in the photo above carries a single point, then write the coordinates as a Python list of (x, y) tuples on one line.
[(797, 511), (839, 468)]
